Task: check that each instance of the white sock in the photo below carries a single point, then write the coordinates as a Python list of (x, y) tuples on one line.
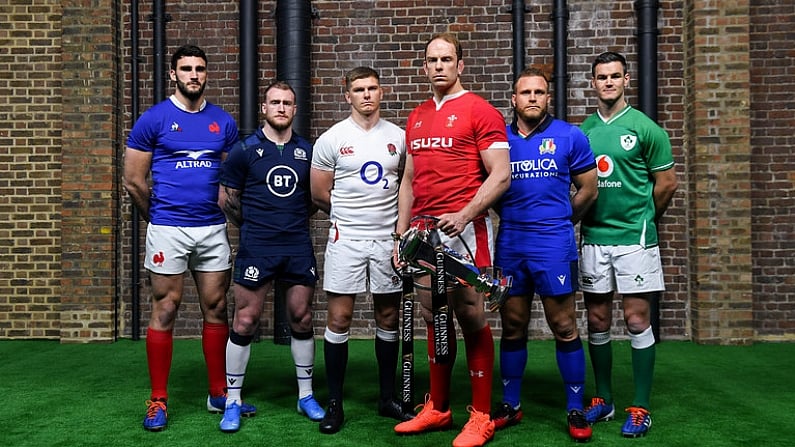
[(304, 358), (236, 363)]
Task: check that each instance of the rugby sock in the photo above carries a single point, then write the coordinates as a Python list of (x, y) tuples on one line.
[(571, 364), (387, 349), (302, 346), (513, 361), (480, 360), (159, 347), (643, 357), (601, 351), (214, 336), (335, 353), (238, 350), (441, 372)]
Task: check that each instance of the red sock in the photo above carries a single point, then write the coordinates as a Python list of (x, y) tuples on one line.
[(480, 360), (441, 372), (159, 346), (214, 336)]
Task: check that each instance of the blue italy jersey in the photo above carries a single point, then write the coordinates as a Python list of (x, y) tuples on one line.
[(275, 195), (186, 157), (535, 212)]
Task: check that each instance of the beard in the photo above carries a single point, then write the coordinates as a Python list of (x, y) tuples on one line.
[(531, 118), (192, 95), (278, 125)]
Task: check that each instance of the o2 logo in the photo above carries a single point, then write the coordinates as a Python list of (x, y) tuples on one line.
[(372, 173), (282, 181)]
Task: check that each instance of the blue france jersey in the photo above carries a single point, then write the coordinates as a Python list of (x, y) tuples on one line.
[(535, 212), (186, 157), (275, 195)]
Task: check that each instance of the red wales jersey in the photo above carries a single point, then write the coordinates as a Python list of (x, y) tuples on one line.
[(445, 140)]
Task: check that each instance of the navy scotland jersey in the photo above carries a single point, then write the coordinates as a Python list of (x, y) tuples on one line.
[(535, 212), (275, 195)]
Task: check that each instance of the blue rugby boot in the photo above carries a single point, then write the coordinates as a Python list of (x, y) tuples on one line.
[(156, 416), (309, 407)]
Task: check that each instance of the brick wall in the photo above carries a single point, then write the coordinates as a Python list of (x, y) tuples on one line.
[(90, 150), (30, 169), (719, 169), (772, 177), (726, 240)]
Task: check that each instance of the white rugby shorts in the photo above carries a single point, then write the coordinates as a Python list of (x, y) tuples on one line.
[(627, 269), (173, 250), (351, 266)]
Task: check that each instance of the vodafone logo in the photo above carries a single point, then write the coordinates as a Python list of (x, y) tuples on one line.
[(604, 166), (346, 151)]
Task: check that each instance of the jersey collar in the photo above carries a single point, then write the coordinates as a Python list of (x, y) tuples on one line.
[(540, 128), (616, 116), (446, 98), (181, 106)]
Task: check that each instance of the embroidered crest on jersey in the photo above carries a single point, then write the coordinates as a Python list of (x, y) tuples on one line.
[(391, 149), (214, 128), (175, 127), (450, 120), (251, 273), (299, 154), (547, 146), (346, 151), (628, 142)]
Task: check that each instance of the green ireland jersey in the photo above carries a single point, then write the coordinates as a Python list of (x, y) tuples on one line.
[(628, 148)]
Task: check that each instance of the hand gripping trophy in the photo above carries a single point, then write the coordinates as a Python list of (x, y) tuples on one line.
[(420, 247)]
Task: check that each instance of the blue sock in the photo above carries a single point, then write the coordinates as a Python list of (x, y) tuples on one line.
[(571, 363), (513, 360)]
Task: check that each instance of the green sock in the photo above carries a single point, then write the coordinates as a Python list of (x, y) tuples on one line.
[(602, 362), (643, 371)]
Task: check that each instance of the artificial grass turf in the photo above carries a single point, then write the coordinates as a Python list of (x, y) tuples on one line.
[(93, 395)]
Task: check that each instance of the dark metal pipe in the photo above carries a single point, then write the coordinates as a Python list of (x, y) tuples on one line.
[(647, 56), (517, 14), (249, 57), (647, 98), (159, 20), (293, 52), (135, 277), (560, 20)]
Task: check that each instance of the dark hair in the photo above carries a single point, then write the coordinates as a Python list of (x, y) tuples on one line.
[(449, 38), (187, 51), (531, 72), (606, 58), (281, 85), (360, 73)]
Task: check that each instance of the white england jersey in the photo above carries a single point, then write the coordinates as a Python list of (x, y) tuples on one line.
[(365, 166)]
